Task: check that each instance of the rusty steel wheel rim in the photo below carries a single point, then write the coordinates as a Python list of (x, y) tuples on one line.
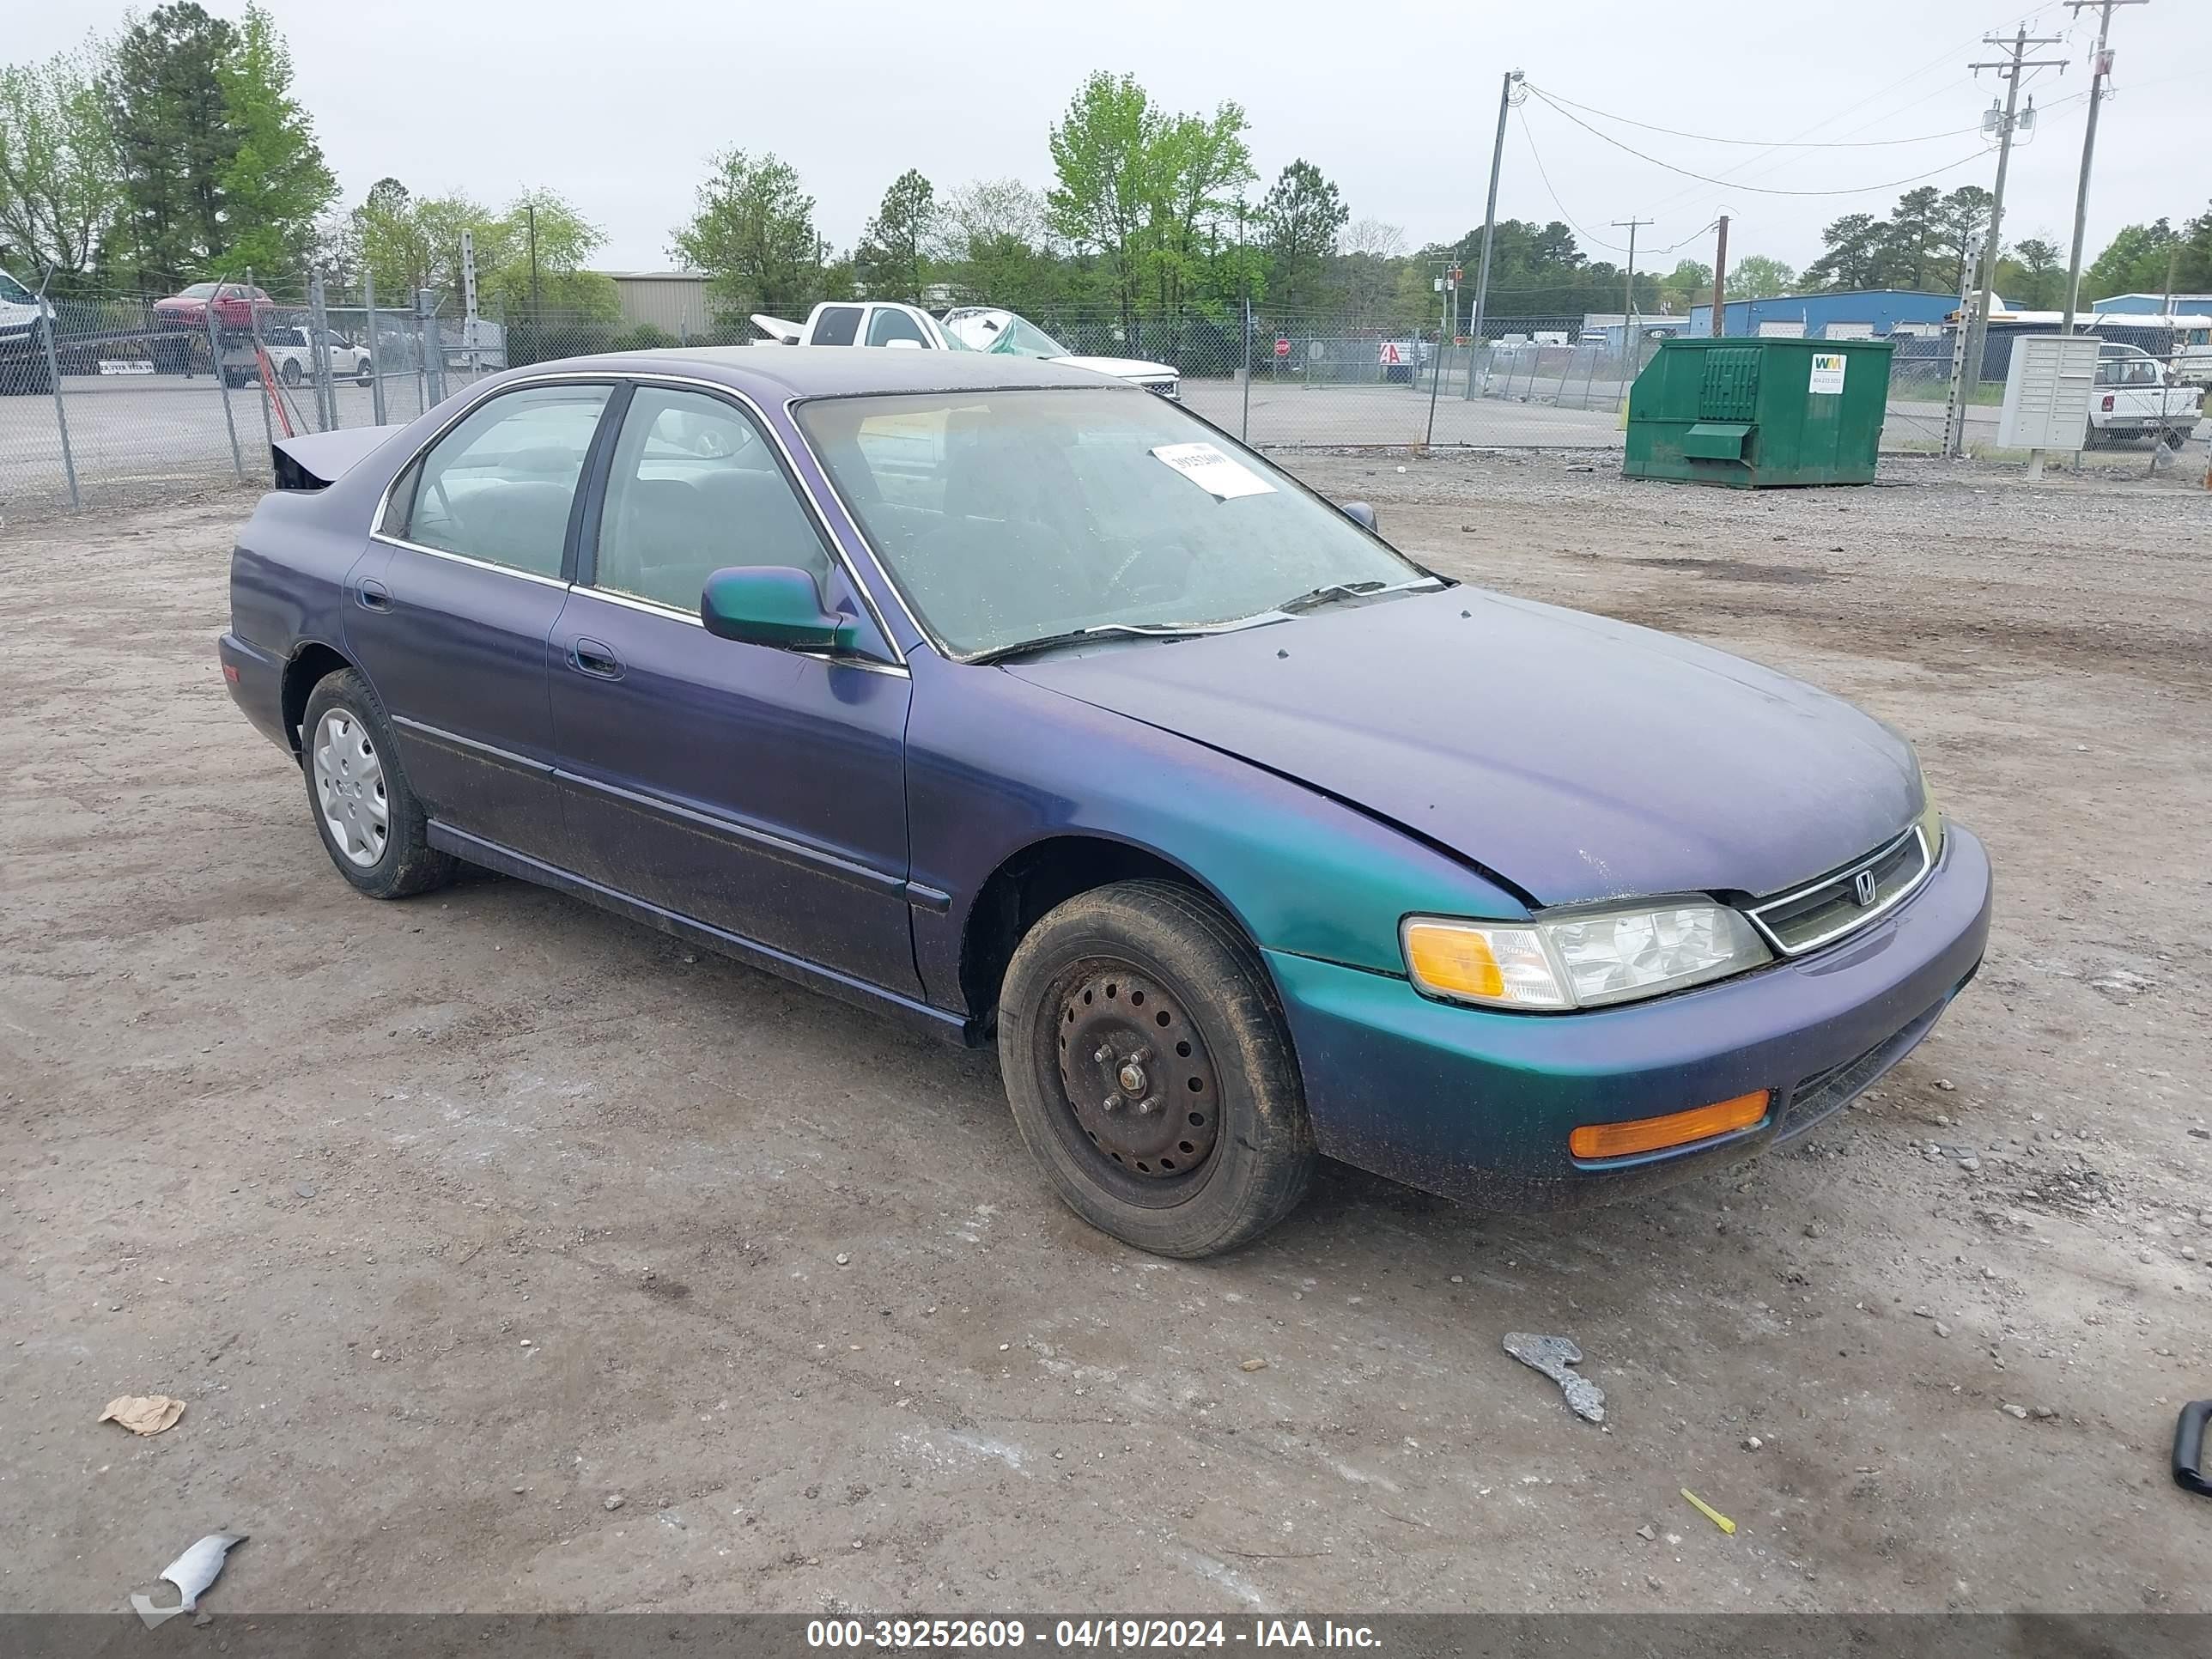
[(1136, 1074)]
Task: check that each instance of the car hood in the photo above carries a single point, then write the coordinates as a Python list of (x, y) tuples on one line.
[(1128, 368), (1577, 757)]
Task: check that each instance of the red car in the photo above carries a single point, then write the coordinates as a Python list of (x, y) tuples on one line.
[(234, 305)]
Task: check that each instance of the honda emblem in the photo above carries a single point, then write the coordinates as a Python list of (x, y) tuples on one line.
[(1862, 888)]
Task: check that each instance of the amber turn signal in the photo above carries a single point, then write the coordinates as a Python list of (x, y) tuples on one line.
[(1653, 1135)]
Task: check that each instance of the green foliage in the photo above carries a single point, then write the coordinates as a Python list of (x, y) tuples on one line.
[(893, 257), (1920, 247), (1690, 283), (60, 184), (276, 184), (406, 242), (2136, 260), (753, 234), (1148, 194), (174, 143), (1758, 277), (2033, 276), (644, 337), (1301, 218)]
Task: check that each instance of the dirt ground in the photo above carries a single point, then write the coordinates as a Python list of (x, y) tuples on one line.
[(453, 1219)]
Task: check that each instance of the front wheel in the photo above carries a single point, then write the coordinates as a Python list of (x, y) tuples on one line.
[(372, 826), (1149, 1071), (291, 373), (2174, 436)]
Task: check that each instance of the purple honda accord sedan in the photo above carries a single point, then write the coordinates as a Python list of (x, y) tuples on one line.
[(1027, 707)]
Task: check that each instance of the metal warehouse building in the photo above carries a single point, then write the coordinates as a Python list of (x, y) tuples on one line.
[(2151, 305), (1858, 314)]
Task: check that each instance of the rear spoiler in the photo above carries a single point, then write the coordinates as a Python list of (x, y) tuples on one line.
[(315, 460)]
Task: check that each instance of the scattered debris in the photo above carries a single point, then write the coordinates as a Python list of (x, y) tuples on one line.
[(612, 1501), (1941, 1330), (2011, 1410), (1710, 1512), (1253, 1366), (1554, 1356), (1752, 1443), (191, 1573), (143, 1413), (1647, 1532)]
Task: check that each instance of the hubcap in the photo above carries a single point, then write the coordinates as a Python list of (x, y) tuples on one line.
[(1136, 1074), (350, 788)]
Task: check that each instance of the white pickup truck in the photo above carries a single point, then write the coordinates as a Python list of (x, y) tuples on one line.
[(293, 356), (2134, 398), (967, 328)]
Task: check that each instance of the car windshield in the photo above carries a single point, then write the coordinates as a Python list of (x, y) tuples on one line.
[(197, 291), (1018, 336), (13, 291), (1009, 517)]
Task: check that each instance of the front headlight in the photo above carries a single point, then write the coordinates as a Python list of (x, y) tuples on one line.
[(1582, 961)]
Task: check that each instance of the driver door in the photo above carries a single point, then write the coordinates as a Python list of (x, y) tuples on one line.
[(762, 791)]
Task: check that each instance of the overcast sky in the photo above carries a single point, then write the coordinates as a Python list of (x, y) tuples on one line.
[(618, 106)]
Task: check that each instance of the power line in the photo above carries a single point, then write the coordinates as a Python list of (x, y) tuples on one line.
[(1556, 99), (1575, 224), (1734, 184)]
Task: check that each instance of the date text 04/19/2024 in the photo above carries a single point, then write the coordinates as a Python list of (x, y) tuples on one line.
[(1116, 1634)]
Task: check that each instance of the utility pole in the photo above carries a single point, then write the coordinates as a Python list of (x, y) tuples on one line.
[(537, 301), (2100, 71), (1505, 101), (2010, 66), (1720, 279), (1628, 305)]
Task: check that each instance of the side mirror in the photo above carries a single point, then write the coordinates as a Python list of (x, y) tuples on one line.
[(774, 605), (1361, 515)]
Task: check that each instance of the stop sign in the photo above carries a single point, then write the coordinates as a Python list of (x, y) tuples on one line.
[(1282, 347)]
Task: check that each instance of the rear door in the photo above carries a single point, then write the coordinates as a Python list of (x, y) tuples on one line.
[(760, 791), (450, 613)]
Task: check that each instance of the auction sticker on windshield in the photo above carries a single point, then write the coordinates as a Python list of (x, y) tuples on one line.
[(1213, 471)]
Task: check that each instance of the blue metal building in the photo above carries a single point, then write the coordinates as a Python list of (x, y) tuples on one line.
[(1858, 314), (2150, 305)]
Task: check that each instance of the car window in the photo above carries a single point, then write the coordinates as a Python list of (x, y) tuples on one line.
[(13, 292), (695, 488), (838, 325), (498, 487), (888, 324)]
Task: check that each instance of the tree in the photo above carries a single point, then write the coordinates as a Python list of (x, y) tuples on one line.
[(753, 234), (174, 139), (541, 222), (1853, 254), (893, 257), (995, 235), (2136, 260), (1374, 239), (2030, 275), (276, 184), (1105, 150), (1960, 217), (60, 184), (1690, 283), (1909, 255), (1758, 277), (1300, 219), (1199, 168)]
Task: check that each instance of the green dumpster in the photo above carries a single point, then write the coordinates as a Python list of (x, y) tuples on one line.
[(1759, 413)]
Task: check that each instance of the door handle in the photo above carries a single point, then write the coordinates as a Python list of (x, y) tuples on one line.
[(593, 658), (374, 595)]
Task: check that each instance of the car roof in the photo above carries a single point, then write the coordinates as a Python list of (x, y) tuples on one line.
[(780, 372)]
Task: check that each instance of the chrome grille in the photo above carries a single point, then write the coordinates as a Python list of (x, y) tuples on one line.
[(1824, 911)]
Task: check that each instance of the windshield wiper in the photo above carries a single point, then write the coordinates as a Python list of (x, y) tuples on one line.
[(1080, 636), (1335, 592)]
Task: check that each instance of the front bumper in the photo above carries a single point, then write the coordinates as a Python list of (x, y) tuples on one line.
[(1477, 1104)]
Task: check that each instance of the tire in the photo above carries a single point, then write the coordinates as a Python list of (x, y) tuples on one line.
[(291, 372), (1152, 976), (347, 749), (362, 374), (2174, 436)]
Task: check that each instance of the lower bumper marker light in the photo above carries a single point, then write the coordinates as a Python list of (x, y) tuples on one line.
[(1653, 1135)]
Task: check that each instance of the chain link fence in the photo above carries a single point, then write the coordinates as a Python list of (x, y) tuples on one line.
[(129, 398)]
